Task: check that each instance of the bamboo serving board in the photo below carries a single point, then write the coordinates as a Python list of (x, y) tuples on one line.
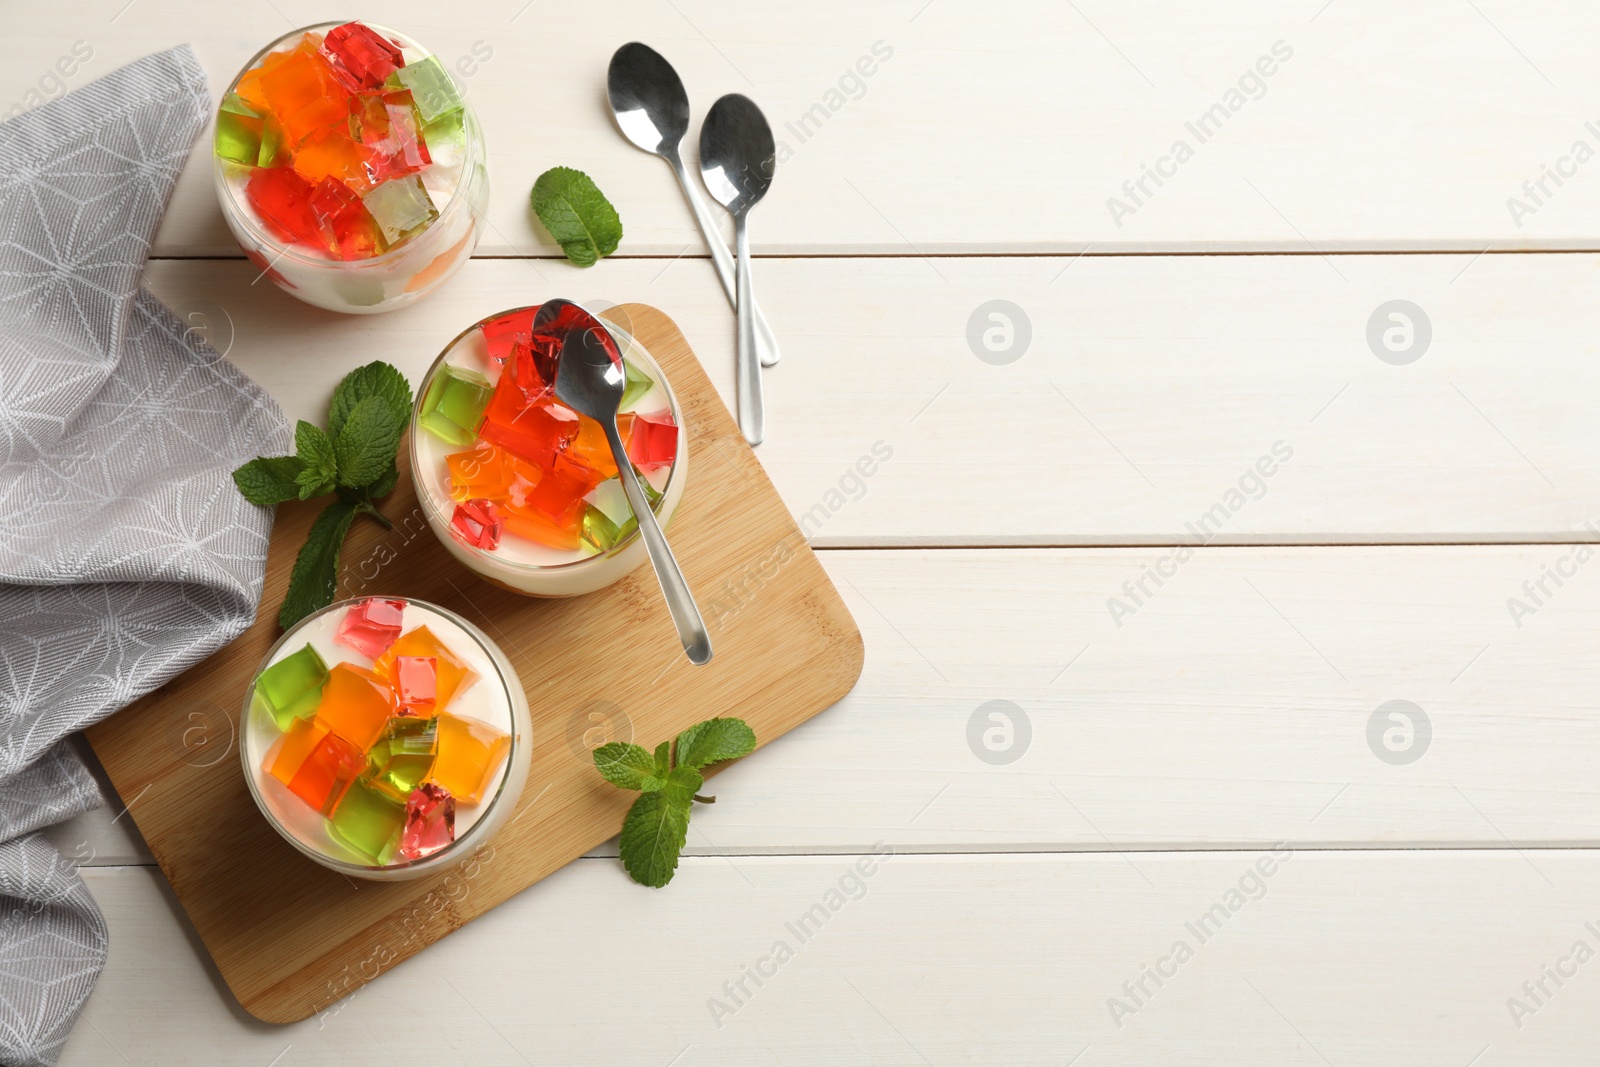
[(291, 937)]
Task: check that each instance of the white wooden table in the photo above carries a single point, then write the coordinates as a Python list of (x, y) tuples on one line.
[(1192, 757)]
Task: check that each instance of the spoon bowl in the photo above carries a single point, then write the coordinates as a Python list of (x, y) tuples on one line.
[(648, 99), (737, 153)]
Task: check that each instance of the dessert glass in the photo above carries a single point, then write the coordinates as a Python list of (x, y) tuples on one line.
[(419, 260), (495, 698), (518, 564)]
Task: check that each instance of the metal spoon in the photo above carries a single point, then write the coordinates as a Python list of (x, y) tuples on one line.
[(590, 378), (737, 158), (652, 110)]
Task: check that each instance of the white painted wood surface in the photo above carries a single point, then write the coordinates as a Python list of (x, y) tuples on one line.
[(1350, 958), (992, 127), (1150, 387), (1231, 709), (1228, 712)]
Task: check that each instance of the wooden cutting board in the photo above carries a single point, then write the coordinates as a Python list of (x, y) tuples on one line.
[(290, 937)]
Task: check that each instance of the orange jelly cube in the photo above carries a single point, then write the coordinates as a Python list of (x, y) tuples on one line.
[(470, 752), (330, 153), (540, 528), (356, 703), (316, 764), (489, 472), (292, 747), (591, 448), (300, 90), (452, 673)]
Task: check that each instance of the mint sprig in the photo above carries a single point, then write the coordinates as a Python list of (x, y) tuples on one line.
[(656, 827), (354, 459), (577, 214)]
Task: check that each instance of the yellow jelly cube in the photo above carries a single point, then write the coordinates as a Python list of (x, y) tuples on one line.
[(470, 752)]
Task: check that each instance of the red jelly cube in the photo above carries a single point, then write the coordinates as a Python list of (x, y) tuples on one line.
[(533, 366), (653, 441), (535, 429), (405, 151), (430, 821), (478, 523), (371, 626), (387, 128), (283, 200), (327, 772), (416, 681), (361, 59), (556, 320), (559, 494), (347, 224), (505, 331)]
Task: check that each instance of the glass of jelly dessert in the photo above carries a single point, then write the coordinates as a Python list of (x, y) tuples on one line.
[(519, 487), (385, 737), (350, 168)]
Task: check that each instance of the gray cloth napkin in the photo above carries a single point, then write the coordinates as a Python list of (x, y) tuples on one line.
[(126, 554)]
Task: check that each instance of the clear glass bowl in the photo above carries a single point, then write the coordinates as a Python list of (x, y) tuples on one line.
[(401, 276), (560, 574), (306, 829)]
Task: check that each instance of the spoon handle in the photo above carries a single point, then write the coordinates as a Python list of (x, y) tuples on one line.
[(752, 411), (767, 344), (680, 602)]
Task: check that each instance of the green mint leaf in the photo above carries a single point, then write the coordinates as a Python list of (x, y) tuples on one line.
[(365, 446), (682, 784), (269, 480), (375, 379), (663, 759), (316, 568), (314, 447), (625, 766), (652, 837), (386, 481), (577, 214), (315, 452), (313, 483), (713, 741)]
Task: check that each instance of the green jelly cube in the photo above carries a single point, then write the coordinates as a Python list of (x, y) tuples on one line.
[(400, 759), (272, 152), (238, 137), (234, 103), (291, 688), (400, 206), (449, 128), (453, 408), (637, 385), (607, 519), (433, 91), (599, 532), (369, 822)]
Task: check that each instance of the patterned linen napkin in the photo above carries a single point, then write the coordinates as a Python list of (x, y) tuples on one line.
[(126, 554)]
